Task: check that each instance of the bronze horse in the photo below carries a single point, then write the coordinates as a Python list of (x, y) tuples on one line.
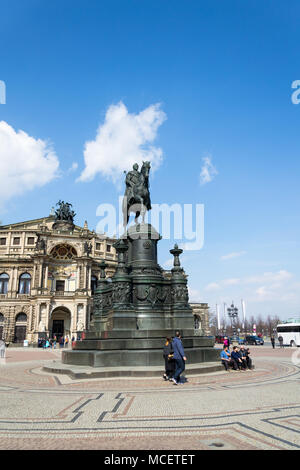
[(140, 202)]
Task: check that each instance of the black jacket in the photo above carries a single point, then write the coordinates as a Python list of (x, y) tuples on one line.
[(244, 353), (168, 349)]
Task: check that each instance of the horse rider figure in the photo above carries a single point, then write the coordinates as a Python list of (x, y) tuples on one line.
[(136, 197), (132, 179), (64, 211)]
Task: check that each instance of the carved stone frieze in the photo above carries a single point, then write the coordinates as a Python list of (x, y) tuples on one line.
[(121, 293)]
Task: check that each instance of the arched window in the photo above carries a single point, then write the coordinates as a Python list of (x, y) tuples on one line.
[(63, 252), (4, 278), (21, 318), (24, 283), (94, 281)]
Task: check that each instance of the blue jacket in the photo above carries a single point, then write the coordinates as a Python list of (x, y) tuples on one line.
[(223, 355), (235, 356), (177, 348)]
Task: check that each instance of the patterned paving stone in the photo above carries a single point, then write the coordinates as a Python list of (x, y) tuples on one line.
[(258, 409)]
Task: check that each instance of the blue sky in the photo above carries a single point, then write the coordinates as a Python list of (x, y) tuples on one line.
[(220, 74)]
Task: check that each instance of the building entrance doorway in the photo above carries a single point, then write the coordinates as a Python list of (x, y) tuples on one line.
[(58, 329), (60, 323), (20, 334), (20, 328)]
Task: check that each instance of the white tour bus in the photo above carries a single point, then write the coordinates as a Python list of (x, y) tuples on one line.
[(290, 332)]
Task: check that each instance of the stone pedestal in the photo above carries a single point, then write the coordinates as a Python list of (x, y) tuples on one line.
[(138, 309)]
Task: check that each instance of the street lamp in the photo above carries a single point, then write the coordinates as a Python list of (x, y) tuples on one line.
[(233, 313)]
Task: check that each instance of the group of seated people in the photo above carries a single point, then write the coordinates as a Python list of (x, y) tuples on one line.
[(237, 359)]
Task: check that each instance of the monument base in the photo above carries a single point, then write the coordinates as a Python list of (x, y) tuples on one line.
[(75, 372), (141, 307), (137, 348)]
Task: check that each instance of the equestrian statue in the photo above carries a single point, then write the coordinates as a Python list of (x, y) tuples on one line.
[(137, 196)]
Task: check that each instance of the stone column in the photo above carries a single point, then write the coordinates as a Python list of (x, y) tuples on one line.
[(48, 317), (10, 282), (15, 280), (37, 318)]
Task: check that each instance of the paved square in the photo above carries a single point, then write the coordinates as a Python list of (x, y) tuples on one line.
[(256, 409)]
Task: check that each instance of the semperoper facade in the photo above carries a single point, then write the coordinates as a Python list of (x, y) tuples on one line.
[(49, 268)]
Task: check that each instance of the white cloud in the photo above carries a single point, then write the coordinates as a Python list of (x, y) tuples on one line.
[(276, 292), (269, 277), (208, 171), (194, 295), (25, 162), (168, 264), (235, 254), (274, 280), (231, 282), (122, 140), (73, 167), (213, 286)]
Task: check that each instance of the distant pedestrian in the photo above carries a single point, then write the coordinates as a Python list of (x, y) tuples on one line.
[(226, 342), (280, 339), (67, 342), (61, 342), (179, 357), (2, 349), (273, 342)]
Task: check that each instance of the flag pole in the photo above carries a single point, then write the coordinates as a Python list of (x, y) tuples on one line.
[(244, 313)]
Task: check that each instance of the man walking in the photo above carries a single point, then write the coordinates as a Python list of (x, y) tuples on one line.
[(179, 357), (273, 342)]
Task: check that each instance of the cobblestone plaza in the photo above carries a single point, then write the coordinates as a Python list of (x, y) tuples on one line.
[(250, 410)]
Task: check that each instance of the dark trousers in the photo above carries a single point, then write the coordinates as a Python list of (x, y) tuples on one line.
[(180, 366), (235, 364), (169, 367), (249, 362), (225, 364)]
